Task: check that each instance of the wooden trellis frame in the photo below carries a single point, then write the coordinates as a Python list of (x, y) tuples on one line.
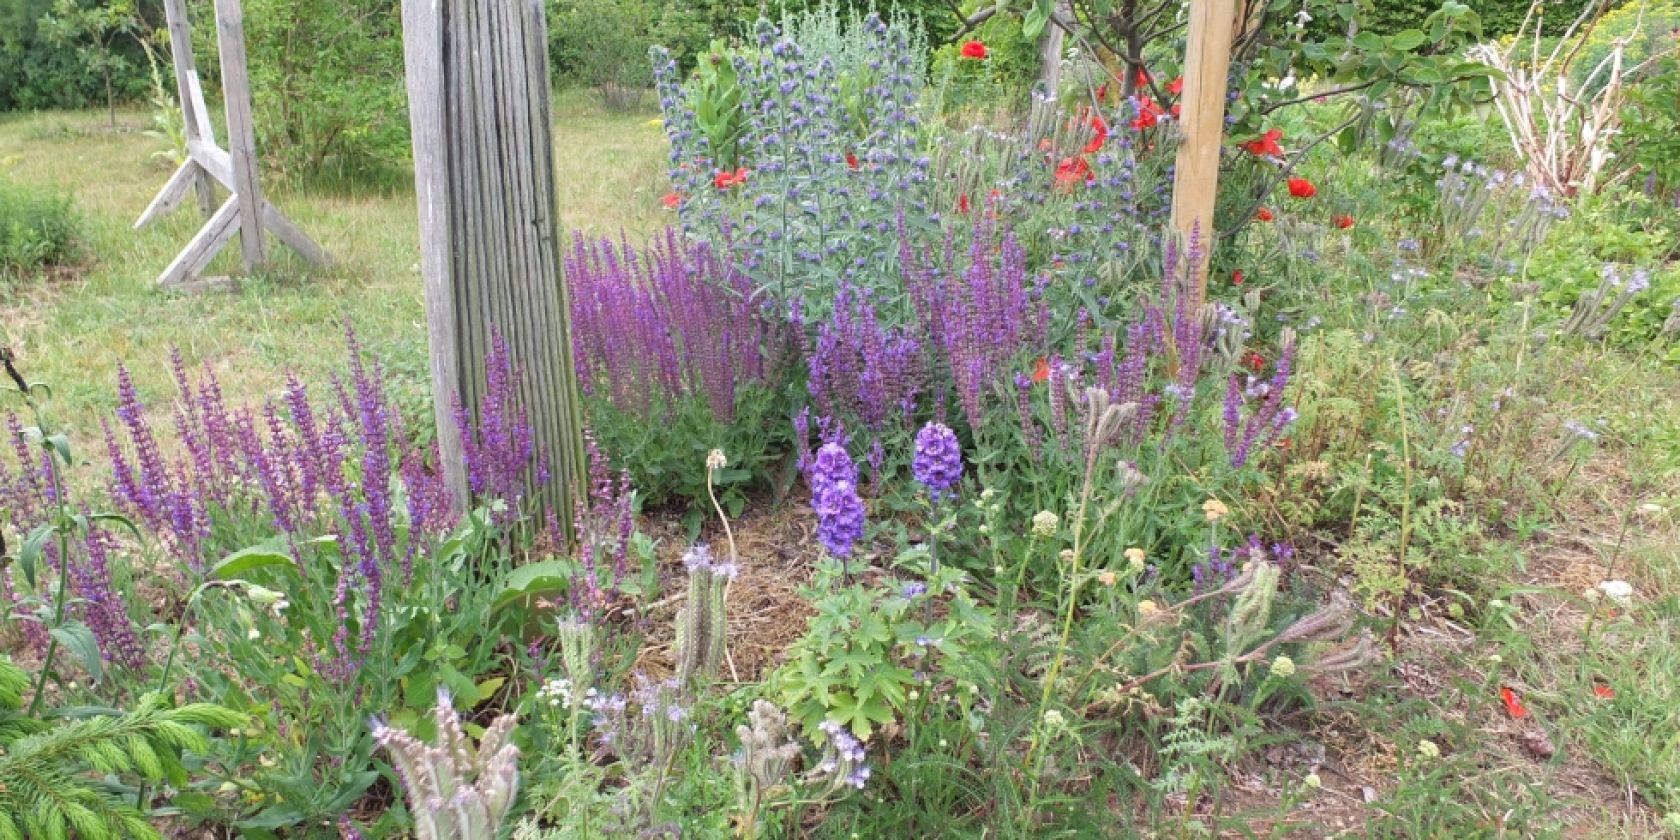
[(245, 211)]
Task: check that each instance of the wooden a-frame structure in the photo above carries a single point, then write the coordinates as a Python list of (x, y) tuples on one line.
[(207, 163)]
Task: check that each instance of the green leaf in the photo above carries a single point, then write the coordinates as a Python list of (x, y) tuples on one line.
[(528, 581), (260, 556), (1036, 18), (29, 557), (77, 638), (275, 816), (61, 443), (1407, 40)]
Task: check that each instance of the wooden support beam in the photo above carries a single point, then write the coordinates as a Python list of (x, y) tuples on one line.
[(196, 257), (246, 210), (190, 94), (242, 132), (1207, 61), (478, 92)]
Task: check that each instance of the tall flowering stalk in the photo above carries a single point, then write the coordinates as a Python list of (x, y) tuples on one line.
[(830, 145), (834, 496), (937, 465), (673, 322), (860, 366), (335, 463), (977, 315), (1269, 417)]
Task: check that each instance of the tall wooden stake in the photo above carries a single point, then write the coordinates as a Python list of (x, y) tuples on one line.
[(1207, 60), (484, 178)]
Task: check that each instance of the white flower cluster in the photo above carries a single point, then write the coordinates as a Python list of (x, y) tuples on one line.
[(558, 693)]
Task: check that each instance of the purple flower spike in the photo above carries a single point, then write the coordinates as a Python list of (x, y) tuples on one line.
[(834, 495), (938, 462)]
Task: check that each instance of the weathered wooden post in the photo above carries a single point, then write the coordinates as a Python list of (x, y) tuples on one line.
[(1207, 60), (236, 168), (478, 99)]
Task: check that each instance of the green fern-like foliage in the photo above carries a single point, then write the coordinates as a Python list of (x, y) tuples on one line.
[(47, 772)]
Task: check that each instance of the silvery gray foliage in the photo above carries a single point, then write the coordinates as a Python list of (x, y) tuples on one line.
[(1596, 309), (764, 764), (455, 791), (702, 625)]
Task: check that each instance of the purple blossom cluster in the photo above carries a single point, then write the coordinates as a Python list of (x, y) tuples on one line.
[(603, 521), (860, 367), (979, 316), (307, 467), (937, 464), (497, 444), (1268, 417), (27, 498), (674, 322), (834, 496)]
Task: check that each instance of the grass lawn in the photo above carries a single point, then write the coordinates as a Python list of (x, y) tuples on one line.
[(71, 333)]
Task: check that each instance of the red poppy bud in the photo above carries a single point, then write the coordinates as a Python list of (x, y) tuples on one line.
[(1237, 277), (1264, 215), (1342, 222), (851, 160)]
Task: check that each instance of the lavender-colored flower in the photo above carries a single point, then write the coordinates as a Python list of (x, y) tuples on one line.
[(834, 496), (938, 462)]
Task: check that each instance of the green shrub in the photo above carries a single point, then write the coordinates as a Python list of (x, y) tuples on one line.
[(326, 83), (37, 229), (1649, 27), (36, 72)]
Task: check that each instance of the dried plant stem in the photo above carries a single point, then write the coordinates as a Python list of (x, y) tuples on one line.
[(734, 557)]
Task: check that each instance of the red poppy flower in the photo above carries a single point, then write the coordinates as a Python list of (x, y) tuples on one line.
[(1342, 221), (1176, 86), (973, 49), (726, 179), (1604, 691), (1071, 172), (1283, 443), (671, 200), (1267, 145), (1041, 369), (1099, 136), (1176, 110), (1302, 188), (1512, 704), (1148, 114), (1255, 361), (851, 160), (1044, 144), (1237, 277), (1102, 92), (962, 203), (1142, 77), (1264, 215)]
